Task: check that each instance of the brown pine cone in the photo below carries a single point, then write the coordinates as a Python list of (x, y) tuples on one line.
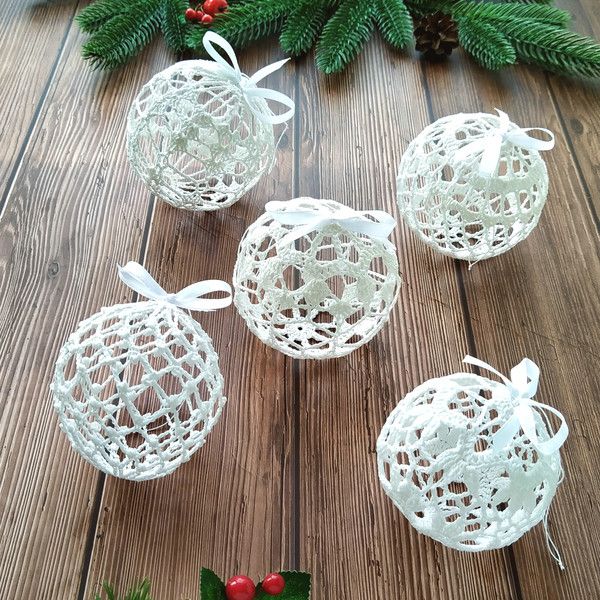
[(436, 35)]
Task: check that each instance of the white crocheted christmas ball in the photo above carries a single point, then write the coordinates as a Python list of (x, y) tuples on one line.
[(457, 209), (321, 296), (137, 388), (438, 463), (194, 139)]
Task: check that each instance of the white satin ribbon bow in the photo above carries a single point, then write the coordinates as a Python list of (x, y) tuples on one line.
[(490, 145), (248, 84), (523, 385), (307, 220), (139, 280)]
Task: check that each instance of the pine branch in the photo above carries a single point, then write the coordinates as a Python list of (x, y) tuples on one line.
[(173, 24), (554, 48), (395, 22), (303, 26), (524, 1), (246, 22), (486, 44), (344, 35), (97, 14), (510, 13), (124, 36), (139, 592)]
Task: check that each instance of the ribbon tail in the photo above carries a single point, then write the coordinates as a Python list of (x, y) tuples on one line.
[(490, 157), (559, 437), (506, 433), (275, 96), (265, 71)]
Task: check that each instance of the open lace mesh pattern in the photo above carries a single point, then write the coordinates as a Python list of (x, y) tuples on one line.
[(137, 388), (457, 211), (321, 297), (437, 463), (193, 139)]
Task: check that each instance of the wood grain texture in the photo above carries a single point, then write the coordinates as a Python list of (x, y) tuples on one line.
[(228, 508), (32, 37), (354, 541), (288, 477), (539, 300), (72, 213)]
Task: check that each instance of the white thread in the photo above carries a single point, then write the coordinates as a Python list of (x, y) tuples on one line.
[(454, 208), (323, 295), (200, 133), (438, 463), (137, 389)]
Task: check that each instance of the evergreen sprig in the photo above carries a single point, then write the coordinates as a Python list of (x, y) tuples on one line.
[(246, 22), (138, 592), (303, 26), (497, 33), (174, 25), (554, 48), (96, 15), (124, 35), (394, 22), (489, 47), (344, 35)]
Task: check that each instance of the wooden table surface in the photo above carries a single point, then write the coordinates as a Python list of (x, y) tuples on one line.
[(288, 477)]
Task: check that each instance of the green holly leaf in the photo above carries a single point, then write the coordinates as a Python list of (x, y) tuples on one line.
[(211, 587), (297, 587)]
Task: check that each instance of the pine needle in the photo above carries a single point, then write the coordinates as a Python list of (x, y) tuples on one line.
[(303, 26), (554, 48), (395, 22), (489, 47), (173, 24), (124, 36), (344, 35)]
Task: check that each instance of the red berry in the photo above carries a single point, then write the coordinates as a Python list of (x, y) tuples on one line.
[(207, 19), (240, 587), (273, 584), (190, 14), (212, 7)]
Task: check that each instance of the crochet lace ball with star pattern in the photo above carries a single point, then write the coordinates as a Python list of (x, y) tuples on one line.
[(438, 464), (194, 140), (321, 296), (457, 211), (137, 389)]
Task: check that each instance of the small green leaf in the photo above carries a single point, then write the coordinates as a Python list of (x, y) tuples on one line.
[(211, 587), (297, 587)]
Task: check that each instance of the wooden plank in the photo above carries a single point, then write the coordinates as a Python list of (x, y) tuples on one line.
[(354, 541), (540, 300), (74, 211), (228, 507), (26, 75), (577, 104)]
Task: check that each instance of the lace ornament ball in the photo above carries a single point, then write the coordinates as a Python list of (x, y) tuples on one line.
[(472, 186), (316, 279), (137, 387), (200, 134), (472, 462)]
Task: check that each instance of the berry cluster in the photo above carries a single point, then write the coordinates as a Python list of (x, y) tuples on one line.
[(241, 587), (206, 12)]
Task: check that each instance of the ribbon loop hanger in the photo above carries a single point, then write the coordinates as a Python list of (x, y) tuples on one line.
[(189, 298), (523, 385), (248, 85), (305, 220), (490, 144)]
